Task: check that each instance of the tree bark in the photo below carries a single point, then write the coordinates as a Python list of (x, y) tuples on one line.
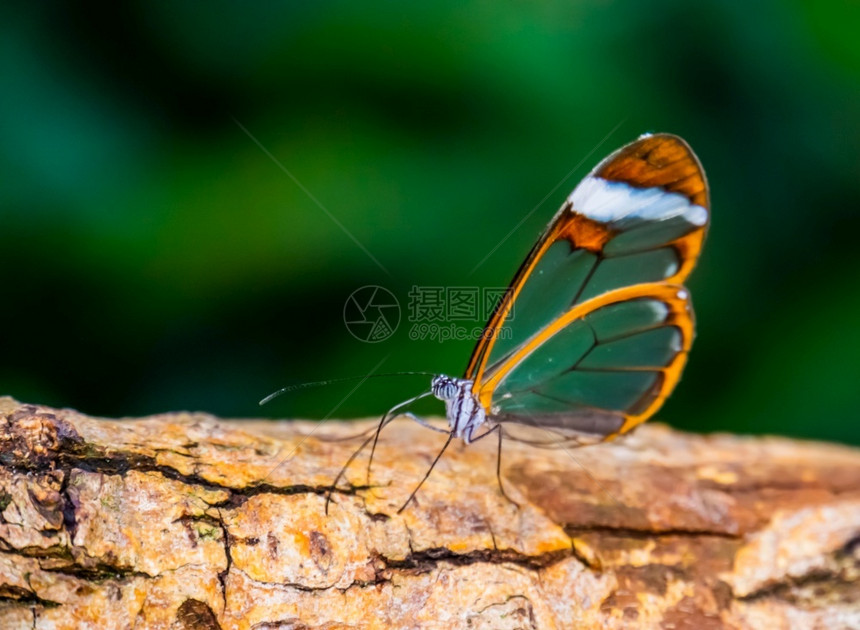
[(186, 521)]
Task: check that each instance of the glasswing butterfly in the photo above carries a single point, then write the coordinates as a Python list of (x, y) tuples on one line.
[(603, 324)]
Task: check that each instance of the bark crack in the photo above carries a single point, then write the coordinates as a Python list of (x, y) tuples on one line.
[(839, 581), (647, 534), (222, 575), (428, 559)]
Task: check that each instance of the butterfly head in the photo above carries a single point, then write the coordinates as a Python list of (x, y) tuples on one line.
[(464, 412), (444, 387)]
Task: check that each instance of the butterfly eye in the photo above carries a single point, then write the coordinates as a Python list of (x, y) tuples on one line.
[(442, 388)]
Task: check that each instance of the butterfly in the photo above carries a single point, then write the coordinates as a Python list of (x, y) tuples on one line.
[(597, 321)]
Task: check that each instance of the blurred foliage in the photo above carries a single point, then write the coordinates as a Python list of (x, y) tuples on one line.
[(155, 257)]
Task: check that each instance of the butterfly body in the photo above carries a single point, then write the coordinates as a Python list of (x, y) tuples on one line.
[(464, 412)]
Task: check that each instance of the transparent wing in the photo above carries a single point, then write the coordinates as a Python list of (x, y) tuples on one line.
[(598, 370)]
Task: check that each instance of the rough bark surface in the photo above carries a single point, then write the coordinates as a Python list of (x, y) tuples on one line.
[(184, 521)]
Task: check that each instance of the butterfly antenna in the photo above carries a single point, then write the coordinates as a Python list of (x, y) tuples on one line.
[(292, 388)]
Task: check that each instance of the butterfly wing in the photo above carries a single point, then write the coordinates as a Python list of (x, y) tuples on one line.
[(602, 368), (617, 251)]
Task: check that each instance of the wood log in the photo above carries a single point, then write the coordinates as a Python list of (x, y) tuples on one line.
[(186, 521)]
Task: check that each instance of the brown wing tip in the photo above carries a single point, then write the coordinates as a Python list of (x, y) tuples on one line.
[(660, 159)]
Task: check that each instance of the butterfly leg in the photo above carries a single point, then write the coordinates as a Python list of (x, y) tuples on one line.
[(499, 468), (342, 472), (498, 430), (429, 470), (424, 423), (384, 420), (387, 417)]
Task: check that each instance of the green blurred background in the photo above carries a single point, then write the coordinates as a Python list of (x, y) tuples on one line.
[(154, 257)]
